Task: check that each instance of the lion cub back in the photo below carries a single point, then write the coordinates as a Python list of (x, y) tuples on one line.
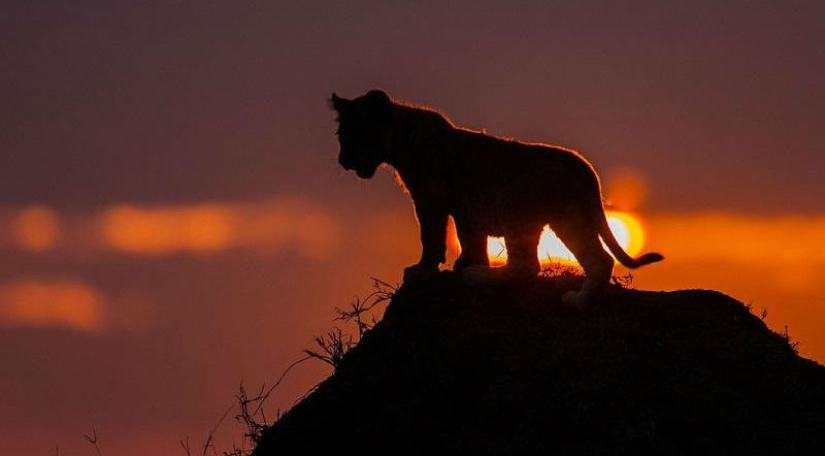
[(509, 183)]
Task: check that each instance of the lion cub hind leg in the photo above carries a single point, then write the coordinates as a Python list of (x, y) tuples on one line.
[(586, 246)]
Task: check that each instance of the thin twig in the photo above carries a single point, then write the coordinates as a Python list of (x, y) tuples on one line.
[(93, 441), (185, 445)]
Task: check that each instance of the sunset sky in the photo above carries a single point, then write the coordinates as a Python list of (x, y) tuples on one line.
[(173, 220)]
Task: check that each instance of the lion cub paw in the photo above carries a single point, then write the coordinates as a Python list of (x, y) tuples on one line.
[(418, 273), (573, 299)]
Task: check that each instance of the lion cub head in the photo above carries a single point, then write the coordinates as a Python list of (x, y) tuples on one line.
[(364, 131)]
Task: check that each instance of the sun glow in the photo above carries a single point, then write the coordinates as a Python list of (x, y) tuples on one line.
[(626, 228)]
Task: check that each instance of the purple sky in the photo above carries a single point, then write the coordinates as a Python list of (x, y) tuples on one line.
[(719, 105)]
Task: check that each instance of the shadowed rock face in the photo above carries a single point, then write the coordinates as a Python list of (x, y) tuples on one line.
[(508, 370)]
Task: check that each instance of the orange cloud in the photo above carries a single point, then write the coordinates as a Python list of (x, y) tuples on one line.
[(35, 228), (787, 246), (739, 238), (272, 226), (169, 229), (69, 304), (288, 222)]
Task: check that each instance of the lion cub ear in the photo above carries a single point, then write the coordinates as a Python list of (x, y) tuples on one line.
[(379, 105), (339, 104)]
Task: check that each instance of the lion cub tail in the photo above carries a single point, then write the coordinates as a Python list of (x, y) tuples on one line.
[(618, 251)]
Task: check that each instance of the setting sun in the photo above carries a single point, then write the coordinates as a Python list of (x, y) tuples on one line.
[(626, 228)]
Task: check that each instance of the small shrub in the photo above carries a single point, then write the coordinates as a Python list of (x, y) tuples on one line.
[(624, 281), (361, 308), (333, 346), (362, 311), (791, 343), (92, 439), (560, 270)]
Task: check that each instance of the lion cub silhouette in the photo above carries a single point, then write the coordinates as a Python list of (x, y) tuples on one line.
[(490, 186)]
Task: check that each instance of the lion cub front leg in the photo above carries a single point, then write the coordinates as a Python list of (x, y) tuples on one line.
[(473, 263), (473, 250), (522, 262), (433, 224)]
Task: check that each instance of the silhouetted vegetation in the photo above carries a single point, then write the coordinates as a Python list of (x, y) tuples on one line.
[(93, 441), (332, 347)]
